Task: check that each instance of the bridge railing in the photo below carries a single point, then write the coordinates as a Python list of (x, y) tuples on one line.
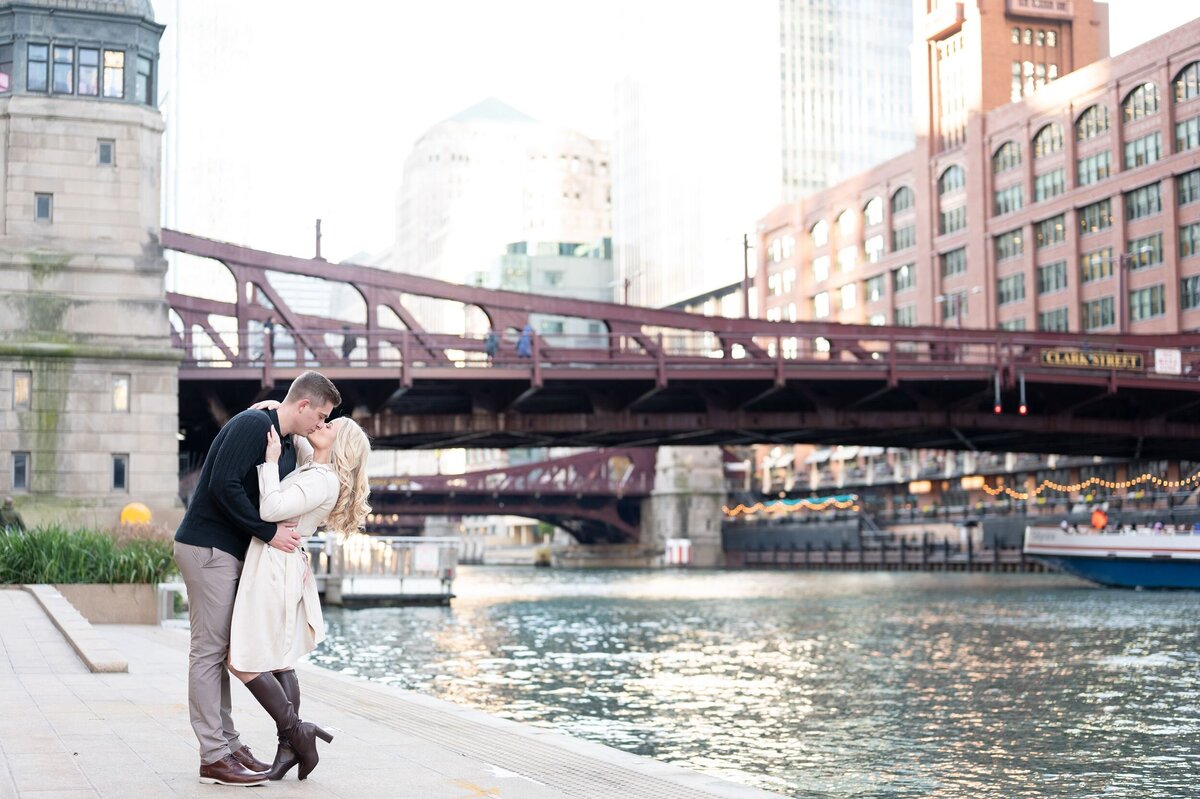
[(894, 349)]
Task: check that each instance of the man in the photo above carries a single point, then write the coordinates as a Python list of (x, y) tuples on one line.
[(349, 342), (10, 519), (210, 546)]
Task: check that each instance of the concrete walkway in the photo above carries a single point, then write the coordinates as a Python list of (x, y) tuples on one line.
[(68, 733)]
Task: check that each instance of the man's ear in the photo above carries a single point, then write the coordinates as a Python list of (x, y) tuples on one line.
[(303, 404)]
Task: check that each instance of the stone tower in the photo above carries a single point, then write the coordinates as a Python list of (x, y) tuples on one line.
[(88, 378)]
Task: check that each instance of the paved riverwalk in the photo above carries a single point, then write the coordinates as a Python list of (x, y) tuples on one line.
[(68, 733)]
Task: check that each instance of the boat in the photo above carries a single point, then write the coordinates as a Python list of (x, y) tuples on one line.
[(1139, 559)]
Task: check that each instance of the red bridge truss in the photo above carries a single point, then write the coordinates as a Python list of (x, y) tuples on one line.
[(666, 377), (596, 496)]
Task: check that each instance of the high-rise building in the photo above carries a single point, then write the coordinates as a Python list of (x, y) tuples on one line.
[(760, 106), (486, 177)]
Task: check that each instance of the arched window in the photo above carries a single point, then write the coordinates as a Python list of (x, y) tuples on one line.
[(1091, 123), (845, 223), (902, 199), (1187, 82), (953, 179), (1006, 158), (873, 212), (1141, 102), (820, 234), (1048, 140)]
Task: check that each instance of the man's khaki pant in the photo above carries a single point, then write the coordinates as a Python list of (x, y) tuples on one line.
[(211, 577)]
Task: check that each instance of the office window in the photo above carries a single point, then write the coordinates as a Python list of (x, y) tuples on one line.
[(873, 212), (1041, 37), (820, 234), (1048, 140), (1050, 231), (952, 220), (106, 152), (1187, 135), (906, 316), (1054, 320), (6, 68), (1143, 202), (1052, 38), (904, 278), (143, 90), (789, 246), (820, 268), (1016, 35), (1145, 251), (120, 392), (821, 305), (1189, 240), (1096, 265), (847, 258), (1049, 185), (1093, 168), (20, 471), (22, 391), (1010, 288), (954, 262), (1187, 82), (43, 207), (902, 199), (877, 319), (1013, 324), (904, 237), (120, 472), (89, 71), (1147, 303), (1189, 292), (1007, 200), (875, 288), (1143, 151), (873, 248), (849, 297), (1095, 217), (64, 70), (1092, 123), (952, 179), (1187, 187), (1052, 277), (114, 73), (1006, 158), (845, 224), (1028, 39), (1098, 314), (1141, 102), (1008, 245), (37, 68)]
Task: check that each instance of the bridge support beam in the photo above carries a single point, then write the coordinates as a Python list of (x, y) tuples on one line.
[(689, 490)]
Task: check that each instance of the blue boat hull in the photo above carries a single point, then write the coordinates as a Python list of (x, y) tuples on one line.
[(1129, 572)]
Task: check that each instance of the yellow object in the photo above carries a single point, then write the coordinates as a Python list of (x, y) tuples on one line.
[(135, 513)]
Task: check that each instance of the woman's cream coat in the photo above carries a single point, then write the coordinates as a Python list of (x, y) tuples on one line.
[(277, 615)]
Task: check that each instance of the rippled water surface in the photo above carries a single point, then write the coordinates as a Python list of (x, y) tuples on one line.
[(815, 685)]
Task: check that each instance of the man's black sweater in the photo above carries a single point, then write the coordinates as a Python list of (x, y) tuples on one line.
[(223, 512)]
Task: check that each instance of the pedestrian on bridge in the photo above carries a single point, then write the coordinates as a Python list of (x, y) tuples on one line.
[(349, 342), (210, 546), (491, 343), (525, 342)]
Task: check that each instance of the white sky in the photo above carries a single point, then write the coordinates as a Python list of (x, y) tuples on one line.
[(298, 109)]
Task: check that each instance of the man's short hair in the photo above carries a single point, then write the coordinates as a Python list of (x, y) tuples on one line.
[(314, 387)]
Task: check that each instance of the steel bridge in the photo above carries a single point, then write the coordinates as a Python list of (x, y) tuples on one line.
[(596, 496), (654, 377)]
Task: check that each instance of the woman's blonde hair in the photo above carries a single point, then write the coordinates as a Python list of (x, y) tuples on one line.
[(349, 461)]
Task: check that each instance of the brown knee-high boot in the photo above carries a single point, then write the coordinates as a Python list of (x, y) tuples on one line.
[(301, 746)]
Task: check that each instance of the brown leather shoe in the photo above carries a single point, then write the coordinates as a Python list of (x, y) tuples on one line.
[(247, 759), (228, 771)]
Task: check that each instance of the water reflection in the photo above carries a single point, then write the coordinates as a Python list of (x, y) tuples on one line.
[(871, 685)]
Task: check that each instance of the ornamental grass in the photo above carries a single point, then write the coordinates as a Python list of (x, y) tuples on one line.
[(54, 554)]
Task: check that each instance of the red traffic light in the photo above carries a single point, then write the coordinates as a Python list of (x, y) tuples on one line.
[(1023, 409), (997, 409)]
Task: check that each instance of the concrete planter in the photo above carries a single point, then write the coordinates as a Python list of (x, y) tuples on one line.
[(100, 603)]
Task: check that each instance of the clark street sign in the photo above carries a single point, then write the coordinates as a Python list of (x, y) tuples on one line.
[(1093, 359)]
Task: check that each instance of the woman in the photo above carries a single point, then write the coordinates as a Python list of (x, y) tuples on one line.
[(277, 615)]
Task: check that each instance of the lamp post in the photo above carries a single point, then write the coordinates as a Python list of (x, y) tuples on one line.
[(960, 301), (1123, 261)]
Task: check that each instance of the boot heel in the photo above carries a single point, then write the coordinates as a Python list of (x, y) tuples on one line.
[(324, 736)]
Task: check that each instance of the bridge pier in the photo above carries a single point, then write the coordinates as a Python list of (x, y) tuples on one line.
[(689, 490)]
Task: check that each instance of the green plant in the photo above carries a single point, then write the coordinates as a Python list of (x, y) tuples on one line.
[(55, 554)]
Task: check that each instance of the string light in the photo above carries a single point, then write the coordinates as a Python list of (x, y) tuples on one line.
[(841, 502), (1092, 481)]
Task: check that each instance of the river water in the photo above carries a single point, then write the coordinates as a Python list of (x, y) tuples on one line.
[(821, 684)]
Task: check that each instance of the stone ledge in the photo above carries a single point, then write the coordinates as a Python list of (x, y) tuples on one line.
[(95, 652)]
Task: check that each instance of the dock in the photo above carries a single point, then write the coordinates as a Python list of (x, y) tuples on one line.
[(69, 733)]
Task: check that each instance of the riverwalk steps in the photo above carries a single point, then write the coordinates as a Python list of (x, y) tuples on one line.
[(68, 733)]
